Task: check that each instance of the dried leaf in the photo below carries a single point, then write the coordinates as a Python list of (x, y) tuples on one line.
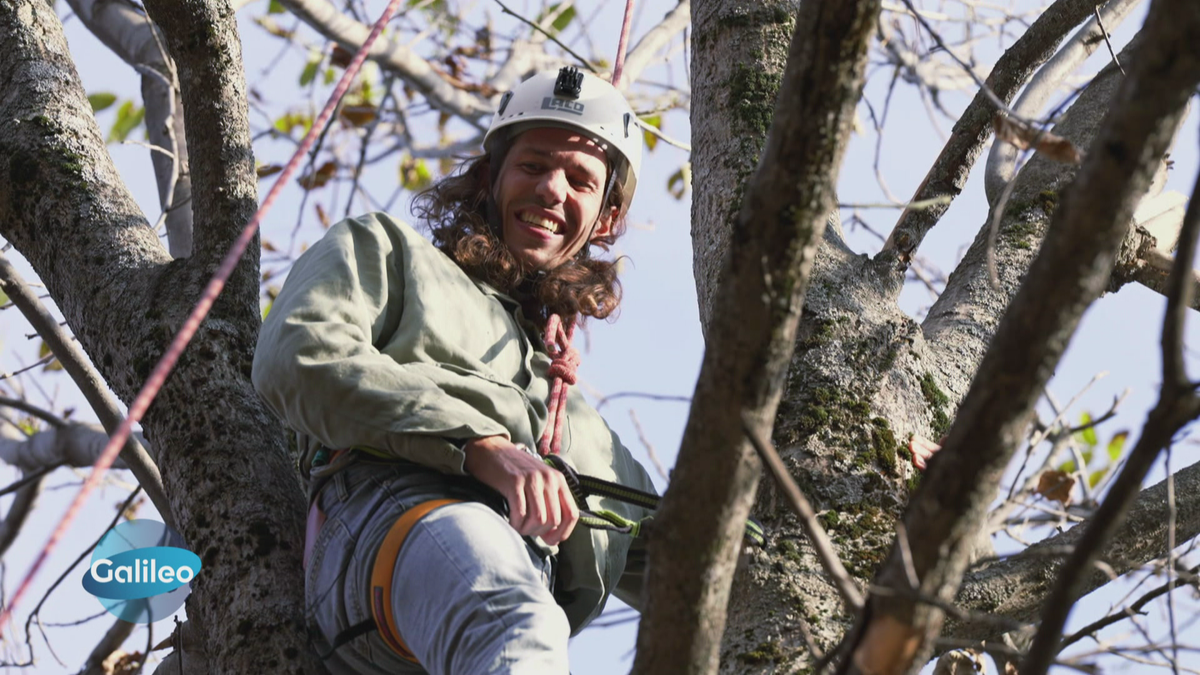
[(358, 115), (319, 177), (680, 181), (268, 246), (340, 57), (1023, 136), (322, 216), (1056, 486)]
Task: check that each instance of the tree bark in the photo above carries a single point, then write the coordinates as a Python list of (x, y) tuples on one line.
[(751, 337), (223, 457)]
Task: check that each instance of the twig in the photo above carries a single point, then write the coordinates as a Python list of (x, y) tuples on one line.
[(917, 205), (49, 417), (851, 596), (1107, 41), (552, 38), (636, 394), (658, 465)]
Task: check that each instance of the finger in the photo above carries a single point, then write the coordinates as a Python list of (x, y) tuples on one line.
[(517, 508), (570, 516), (554, 489), (535, 519)]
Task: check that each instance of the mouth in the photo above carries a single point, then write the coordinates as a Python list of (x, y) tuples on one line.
[(540, 222)]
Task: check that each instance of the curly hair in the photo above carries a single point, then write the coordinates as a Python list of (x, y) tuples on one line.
[(456, 212)]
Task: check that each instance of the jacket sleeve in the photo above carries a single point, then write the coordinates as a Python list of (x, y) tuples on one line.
[(318, 367)]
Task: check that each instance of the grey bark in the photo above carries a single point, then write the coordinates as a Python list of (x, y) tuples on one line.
[(863, 379), (750, 339), (130, 34), (222, 455)]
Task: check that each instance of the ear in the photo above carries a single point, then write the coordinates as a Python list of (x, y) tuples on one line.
[(605, 226)]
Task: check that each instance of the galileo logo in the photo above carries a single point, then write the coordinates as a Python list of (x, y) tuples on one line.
[(141, 572), (553, 103)]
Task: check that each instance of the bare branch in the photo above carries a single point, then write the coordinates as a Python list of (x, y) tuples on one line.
[(1177, 405), (327, 20), (1002, 157), (950, 170), (129, 33), (752, 336), (640, 56), (1077, 254), (77, 365)]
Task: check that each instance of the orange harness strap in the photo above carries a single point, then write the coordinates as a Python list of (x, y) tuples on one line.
[(383, 572)]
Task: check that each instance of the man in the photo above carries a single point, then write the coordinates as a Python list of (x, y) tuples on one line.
[(417, 378)]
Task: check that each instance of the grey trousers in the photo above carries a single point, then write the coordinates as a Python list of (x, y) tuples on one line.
[(469, 595)]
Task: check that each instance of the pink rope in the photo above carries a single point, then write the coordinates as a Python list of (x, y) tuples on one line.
[(623, 44), (150, 389), (564, 357), (563, 365)]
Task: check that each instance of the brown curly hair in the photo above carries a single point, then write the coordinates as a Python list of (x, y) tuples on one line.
[(456, 212)]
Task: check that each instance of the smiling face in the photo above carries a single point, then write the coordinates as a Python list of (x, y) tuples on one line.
[(550, 191)]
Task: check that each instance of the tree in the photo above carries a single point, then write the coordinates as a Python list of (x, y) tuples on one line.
[(803, 335)]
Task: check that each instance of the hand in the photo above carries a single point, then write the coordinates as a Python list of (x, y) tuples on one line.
[(922, 449), (540, 503)]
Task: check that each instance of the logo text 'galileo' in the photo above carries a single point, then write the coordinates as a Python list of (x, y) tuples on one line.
[(563, 105)]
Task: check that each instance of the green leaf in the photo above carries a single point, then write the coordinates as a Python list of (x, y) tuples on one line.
[(330, 76), (101, 100), (43, 352), (1087, 456), (1088, 435), (1096, 476), (3, 298), (561, 21), (1067, 466), (129, 117), (651, 139), (310, 71), (276, 7), (1117, 445), (414, 174), (267, 309)]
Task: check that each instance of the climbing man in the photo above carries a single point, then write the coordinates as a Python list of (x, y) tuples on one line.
[(419, 379)]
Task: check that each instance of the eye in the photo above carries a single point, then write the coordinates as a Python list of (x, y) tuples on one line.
[(531, 167)]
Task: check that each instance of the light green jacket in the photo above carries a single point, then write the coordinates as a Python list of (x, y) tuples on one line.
[(380, 340)]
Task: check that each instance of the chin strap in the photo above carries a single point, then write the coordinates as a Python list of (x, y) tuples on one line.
[(563, 364)]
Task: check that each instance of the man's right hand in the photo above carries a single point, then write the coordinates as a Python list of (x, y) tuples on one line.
[(540, 503)]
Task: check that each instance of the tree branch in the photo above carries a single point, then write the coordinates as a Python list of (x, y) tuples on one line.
[(950, 170), (129, 33), (654, 40), (1002, 157), (1071, 270), (392, 56), (1177, 404), (752, 337)]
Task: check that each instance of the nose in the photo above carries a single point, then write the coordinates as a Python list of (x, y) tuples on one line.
[(552, 187)]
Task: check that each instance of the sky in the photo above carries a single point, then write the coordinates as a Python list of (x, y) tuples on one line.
[(653, 347)]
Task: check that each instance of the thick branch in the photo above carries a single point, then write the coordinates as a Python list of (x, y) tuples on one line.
[(950, 170), (124, 29), (1016, 587), (392, 56), (752, 336), (1070, 272), (203, 41)]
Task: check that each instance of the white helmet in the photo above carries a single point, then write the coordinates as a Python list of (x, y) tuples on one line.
[(574, 100)]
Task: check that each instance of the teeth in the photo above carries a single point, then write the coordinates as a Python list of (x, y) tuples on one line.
[(543, 223)]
